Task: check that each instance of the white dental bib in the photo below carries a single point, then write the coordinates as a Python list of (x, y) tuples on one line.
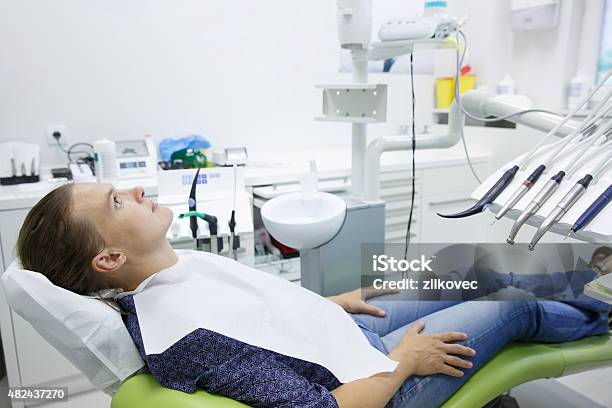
[(212, 292)]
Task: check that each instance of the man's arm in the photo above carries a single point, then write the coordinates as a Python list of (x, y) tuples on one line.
[(372, 392), (355, 300), (417, 354)]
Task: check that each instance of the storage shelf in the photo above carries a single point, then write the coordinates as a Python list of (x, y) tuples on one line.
[(351, 119), (407, 43), (354, 85)]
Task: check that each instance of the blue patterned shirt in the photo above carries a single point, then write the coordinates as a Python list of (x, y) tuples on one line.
[(225, 366)]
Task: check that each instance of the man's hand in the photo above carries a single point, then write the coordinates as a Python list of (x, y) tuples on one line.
[(354, 301), (426, 354)]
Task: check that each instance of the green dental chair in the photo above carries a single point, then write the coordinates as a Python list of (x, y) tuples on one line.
[(516, 364)]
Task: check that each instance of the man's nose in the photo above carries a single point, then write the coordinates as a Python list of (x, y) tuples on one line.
[(139, 194)]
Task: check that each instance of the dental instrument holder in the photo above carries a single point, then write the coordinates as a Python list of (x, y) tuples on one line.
[(19, 163), (533, 208), (211, 220), (214, 195), (214, 243)]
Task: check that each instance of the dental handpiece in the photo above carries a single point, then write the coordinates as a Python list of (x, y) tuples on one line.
[(543, 195), (488, 198), (193, 206), (559, 211), (588, 130), (234, 242), (521, 191), (507, 177), (594, 209)]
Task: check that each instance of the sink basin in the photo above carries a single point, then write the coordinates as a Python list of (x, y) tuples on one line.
[(304, 222)]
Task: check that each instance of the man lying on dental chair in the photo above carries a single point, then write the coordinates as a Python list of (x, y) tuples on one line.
[(204, 321)]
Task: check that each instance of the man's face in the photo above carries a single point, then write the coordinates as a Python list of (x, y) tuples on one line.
[(126, 219), (602, 263)]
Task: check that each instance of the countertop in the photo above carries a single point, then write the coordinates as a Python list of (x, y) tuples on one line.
[(268, 168)]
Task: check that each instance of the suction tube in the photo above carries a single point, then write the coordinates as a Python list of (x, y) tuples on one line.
[(488, 198)]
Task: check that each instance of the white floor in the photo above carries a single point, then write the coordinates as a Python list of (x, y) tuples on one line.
[(596, 384), (553, 393)]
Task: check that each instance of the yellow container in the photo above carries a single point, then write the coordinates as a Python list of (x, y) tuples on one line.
[(445, 89)]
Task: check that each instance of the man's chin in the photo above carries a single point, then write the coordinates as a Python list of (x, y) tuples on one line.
[(167, 215)]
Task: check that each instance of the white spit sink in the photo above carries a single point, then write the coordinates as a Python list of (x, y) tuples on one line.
[(302, 222)]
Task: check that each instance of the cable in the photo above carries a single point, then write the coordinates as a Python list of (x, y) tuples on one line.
[(69, 152), (407, 240), (459, 62), (457, 93), (580, 154), (488, 120)]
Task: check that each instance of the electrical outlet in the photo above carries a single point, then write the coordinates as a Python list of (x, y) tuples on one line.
[(61, 129)]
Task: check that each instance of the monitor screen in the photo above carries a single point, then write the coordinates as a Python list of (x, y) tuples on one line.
[(131, 148)]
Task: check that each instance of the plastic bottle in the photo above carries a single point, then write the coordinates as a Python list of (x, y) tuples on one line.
[(578, 89), (105, 159), (435, 7), (506, 86)]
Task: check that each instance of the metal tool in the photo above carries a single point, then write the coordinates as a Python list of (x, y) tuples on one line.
[(559, 211), (521, 191), (534, 206), (587, 131)]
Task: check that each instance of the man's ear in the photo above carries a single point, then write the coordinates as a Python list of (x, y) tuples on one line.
[(108, 261)]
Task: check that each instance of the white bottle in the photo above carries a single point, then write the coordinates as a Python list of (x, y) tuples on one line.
[(105, 159), (434, 7), (506, 86), (578, 89)]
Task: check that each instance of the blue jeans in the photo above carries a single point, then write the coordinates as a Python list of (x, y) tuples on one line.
[(490, 325)]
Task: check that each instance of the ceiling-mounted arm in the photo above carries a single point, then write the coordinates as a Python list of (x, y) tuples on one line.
[(474, 102), (483, 105), (390, 143)]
